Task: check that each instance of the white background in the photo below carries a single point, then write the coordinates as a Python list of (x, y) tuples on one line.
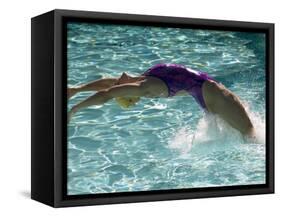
[(15, 106)]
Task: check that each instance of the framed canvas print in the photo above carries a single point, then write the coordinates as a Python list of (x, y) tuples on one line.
[(134, 108)]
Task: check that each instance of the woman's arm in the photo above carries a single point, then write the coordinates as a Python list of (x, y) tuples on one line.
[(96, 85), (101, 97)]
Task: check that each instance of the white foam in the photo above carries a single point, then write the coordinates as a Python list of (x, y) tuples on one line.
[(182, 141), (259, 126), (213, 133)]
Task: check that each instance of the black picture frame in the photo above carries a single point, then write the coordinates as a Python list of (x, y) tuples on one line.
[(49, 101)]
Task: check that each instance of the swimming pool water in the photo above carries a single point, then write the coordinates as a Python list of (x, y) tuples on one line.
[(162, 143)]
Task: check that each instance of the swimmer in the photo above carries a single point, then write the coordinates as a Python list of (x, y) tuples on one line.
[(168, 80)]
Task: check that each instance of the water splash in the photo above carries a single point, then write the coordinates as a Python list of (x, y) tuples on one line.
[(212, 134), (259, 125), (182, 141)]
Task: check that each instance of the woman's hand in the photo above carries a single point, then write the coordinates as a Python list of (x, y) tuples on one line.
[(71, 92), (72, 111)]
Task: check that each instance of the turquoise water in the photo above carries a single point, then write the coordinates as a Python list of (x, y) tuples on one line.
[(163, 143)]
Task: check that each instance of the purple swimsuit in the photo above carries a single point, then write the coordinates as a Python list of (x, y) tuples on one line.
[(177, 78)]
